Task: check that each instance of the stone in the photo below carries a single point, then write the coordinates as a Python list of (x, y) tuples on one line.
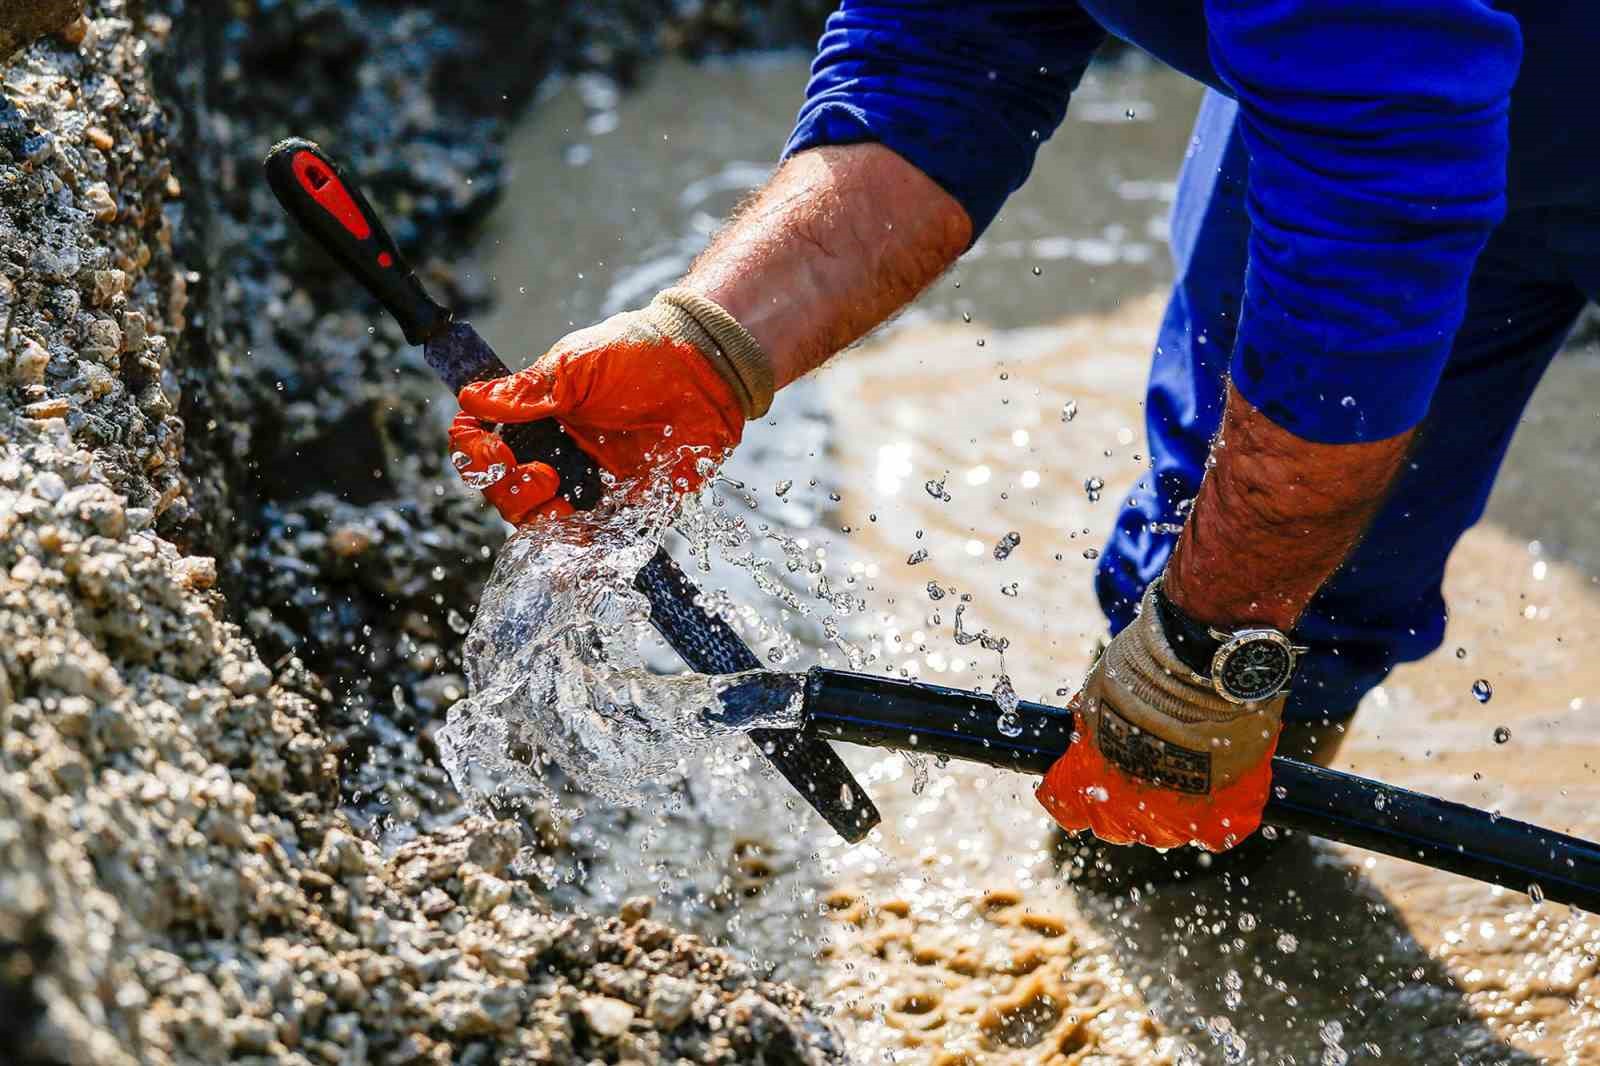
[(670, 1001), (251, 1036), (106, 285), (636, 909), (29, 365), (196, 571), (248, 678), (483, 892), (49, 486), (98, 199), (607, 1018), (341, 855), (52, 408), (23, 20)]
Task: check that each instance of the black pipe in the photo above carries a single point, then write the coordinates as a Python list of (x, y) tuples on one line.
[(884, 712)]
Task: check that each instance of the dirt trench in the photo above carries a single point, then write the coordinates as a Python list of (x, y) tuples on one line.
[(224, 538)]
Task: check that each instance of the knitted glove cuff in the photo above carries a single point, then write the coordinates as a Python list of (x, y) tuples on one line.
[(687, 316), (1149, 691)]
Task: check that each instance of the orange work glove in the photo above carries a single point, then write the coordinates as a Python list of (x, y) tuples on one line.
[(1159, 758), (647, 394)]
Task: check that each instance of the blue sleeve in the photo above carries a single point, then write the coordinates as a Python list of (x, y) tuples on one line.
[(1377, 136), (965, 90)]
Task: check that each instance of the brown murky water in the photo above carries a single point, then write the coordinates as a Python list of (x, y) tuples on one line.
[(951, 936)]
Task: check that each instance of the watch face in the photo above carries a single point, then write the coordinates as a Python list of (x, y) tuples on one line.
[(1254, 665)]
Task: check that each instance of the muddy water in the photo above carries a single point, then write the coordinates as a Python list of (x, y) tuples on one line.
[(952, 936)]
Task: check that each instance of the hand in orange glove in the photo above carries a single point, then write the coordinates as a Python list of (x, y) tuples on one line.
[(1159, 757), (648, 394)]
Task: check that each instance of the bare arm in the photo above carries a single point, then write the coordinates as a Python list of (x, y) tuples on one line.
[(841, 238), (837, 241), (1274, 518)]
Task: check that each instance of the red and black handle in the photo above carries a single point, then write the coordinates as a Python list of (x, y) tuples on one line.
[(331, 208), (333, 211)]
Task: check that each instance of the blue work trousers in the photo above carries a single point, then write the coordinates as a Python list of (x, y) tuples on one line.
[(1384, 605)]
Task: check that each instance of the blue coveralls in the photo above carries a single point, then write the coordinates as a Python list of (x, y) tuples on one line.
[(1389, 216)]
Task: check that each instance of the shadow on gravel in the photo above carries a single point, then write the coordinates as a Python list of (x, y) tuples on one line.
[(1301, 960)]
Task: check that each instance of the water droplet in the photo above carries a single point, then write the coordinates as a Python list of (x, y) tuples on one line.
[(480, 479), (1348, 401), (1009, 590), (1288, 943), (1482, 691), (919, 772), (1069, 410), (1092, 487), (1037, 271), (1004, 546), (981, 342), (1536, 893), (966, 316), (1461, 653), (935, 487), (456, 621), (1501, 734), (1247, 922), (916, 557), (934, 591), (1130, 114), (1091, 553)]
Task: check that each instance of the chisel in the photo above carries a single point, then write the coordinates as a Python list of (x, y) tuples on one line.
[(336, 215)]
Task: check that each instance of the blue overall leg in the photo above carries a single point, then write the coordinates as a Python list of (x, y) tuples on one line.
[(1384, 605)]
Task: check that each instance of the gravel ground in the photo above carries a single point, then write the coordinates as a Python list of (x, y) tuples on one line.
[(222, 517)]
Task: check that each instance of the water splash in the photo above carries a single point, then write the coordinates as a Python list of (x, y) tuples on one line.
[(555, 671), (477, 479)]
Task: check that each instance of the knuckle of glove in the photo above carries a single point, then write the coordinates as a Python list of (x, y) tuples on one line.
[(527, 492)]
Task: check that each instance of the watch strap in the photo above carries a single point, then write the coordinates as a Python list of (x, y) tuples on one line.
[(1191, 640)]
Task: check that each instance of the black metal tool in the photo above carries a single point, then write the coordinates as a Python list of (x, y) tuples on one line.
[(333, 211), (934, 720)]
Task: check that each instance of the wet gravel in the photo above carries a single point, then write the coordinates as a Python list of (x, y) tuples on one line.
[(230, 566)]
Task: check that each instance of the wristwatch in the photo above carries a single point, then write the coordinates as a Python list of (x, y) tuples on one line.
[(1244, 666)]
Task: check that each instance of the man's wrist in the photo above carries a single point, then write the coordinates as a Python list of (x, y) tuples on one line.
[(1274, 517)]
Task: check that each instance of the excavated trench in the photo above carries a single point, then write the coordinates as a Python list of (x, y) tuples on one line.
[(228, 564), (233, 575)]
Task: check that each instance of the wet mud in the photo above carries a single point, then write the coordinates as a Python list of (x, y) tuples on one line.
[(1323, 954)]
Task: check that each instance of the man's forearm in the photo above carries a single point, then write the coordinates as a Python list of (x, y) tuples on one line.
[(1274, 518), (835, 243)]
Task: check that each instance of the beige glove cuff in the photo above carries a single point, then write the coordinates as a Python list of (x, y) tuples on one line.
[(687, 316), (1153, 697)]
